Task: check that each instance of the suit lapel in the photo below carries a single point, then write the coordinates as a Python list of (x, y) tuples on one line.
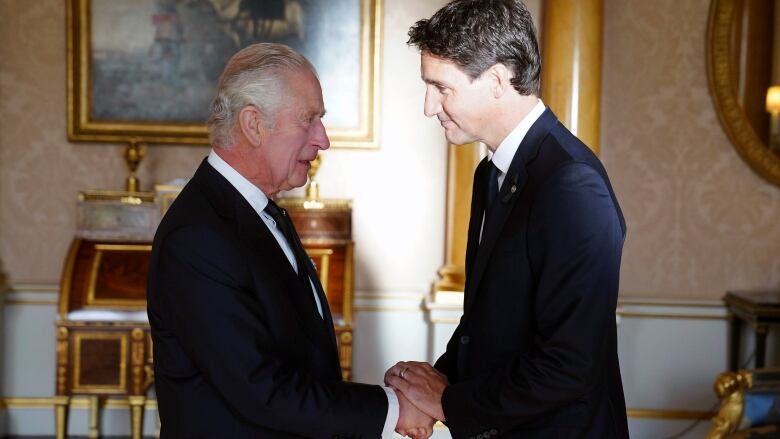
[(326, 315), (510, 191), (255, 236), (475, 221)]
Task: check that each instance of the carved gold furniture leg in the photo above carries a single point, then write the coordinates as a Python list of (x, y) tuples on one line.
[(137, 416), (94, 411), (61, 404)]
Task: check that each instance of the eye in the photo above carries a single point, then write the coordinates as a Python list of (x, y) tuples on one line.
[(442, 89)]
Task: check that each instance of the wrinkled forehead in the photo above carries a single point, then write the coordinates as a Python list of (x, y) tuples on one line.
[(304, 93)]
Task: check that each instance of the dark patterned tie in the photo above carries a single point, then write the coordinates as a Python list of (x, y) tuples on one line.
[(288, 230), (492, 185)]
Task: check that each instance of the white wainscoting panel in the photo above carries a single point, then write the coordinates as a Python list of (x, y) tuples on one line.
[(670, 354)]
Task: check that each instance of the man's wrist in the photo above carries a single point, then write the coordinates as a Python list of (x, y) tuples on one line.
[(393, 413)]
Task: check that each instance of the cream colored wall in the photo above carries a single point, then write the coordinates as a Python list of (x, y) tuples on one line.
[(398, 191), (700, 222)]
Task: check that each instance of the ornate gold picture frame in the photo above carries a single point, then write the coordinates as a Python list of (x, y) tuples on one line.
[(722, 88), (144, 70)]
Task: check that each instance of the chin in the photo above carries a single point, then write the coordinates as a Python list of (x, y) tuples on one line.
[(298, 182), (459, 138)]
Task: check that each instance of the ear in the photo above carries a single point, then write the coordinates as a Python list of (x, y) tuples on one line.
[(250, 122), (499, 76)]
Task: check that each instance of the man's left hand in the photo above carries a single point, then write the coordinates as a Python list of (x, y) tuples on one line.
[(421, 384)]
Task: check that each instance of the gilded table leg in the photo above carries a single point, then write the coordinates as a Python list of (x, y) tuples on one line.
[(137, 416), (61, 405), (94, 411), (345, 354)]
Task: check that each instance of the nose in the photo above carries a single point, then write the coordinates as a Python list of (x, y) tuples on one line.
[(432, 104), (320, 136)]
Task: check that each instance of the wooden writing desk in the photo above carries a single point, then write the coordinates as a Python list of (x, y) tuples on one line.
[(112, 356), (104, 347)]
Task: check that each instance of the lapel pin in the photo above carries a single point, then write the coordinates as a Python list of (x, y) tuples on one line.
[(512, 190)]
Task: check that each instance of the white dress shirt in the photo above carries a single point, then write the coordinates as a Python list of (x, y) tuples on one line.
[(505, 152), (259, 200)]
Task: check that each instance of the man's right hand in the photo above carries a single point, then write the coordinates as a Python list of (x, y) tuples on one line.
[(412, 421)]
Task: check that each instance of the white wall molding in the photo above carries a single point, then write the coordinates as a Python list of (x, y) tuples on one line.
[(670, 353)]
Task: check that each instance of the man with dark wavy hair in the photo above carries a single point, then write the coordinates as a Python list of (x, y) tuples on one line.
[(535, 353)]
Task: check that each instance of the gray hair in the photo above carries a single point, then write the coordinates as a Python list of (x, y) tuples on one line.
[(256, 75)]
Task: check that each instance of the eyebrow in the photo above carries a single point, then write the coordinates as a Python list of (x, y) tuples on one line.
[(309, 114), (434, 82)]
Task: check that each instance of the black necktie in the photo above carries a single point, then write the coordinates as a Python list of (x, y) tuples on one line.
[(288, 230), (492, 185)]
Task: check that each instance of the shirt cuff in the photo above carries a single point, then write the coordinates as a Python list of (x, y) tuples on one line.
[(392, 413)]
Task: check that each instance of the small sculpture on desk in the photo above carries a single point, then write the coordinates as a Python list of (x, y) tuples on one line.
[(134, 153), (313, 187)]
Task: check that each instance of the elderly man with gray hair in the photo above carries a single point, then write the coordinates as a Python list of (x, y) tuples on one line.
[(244, 344)]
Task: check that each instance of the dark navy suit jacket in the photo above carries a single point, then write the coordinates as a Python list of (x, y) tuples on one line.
[(240, 350), (535, 353)]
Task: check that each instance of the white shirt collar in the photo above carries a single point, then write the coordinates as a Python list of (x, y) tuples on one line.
[(505, 152), (253, 195)]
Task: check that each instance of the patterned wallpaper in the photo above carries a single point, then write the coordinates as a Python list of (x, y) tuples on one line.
[(40, 172), (700, 222)]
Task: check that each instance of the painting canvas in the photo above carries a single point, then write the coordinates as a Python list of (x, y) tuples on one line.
[(145, 70)]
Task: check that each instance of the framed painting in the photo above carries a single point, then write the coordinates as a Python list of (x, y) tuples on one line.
[(145, 70)]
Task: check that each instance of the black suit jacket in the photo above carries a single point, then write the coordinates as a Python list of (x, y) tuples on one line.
[(535, 353), (240, 350)]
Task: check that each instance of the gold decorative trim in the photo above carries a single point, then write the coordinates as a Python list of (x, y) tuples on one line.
[(387, 309), (30, 302), (324, 254), (325, 204), (119, 388), (31, 288), (349, 283), (731, 115), (403, 296), (670, 303), (75, 403), (668, 414), (648, 315), (445, 321), (121, 196), (81, 128), (67, 276), (110, 325)]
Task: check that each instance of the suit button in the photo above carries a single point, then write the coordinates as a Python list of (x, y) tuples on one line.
[(464, 339)]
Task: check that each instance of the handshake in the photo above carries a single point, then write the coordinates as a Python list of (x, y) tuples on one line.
[(419, 388)]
